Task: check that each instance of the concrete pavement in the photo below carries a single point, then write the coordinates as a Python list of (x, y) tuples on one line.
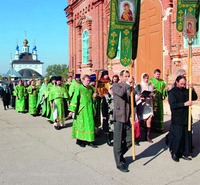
[(32, 152)]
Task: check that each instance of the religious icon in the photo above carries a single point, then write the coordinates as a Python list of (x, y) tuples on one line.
[(189, 30), (127, 10), (190, 27)]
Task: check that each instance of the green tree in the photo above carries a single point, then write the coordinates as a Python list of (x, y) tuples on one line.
[(57, 70)]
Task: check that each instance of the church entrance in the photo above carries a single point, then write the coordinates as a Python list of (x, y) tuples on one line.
[(150, 45)]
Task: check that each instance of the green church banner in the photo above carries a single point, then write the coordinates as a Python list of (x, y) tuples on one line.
[(135, 32), (185, 7), (123, 15)]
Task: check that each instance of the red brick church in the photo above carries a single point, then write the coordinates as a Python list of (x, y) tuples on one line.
[(160, 44)]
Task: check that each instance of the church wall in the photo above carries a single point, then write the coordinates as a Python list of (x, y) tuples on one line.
[(98, 24), (88, 15), (35, 67), (177, 50)]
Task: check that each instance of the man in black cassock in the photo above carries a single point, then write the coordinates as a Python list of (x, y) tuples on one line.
[(179, 138)]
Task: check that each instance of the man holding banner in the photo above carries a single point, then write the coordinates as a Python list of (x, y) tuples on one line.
[(127, 30), (121, 115), (178, 137)]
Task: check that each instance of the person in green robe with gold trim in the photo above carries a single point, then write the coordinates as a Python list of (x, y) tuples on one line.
[(74, 84), (42, 99), (83, 128), (33, 95), (68, 82), (56, 97), (20, 93), (160, 94), (49, 88)]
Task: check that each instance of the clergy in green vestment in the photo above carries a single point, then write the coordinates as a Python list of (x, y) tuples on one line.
[(33, 94), (68, 82), (42, 99), (83, 128), (39, 85), (160, 94), (49, 112), (57, 96), (20, 93), (74, 84)]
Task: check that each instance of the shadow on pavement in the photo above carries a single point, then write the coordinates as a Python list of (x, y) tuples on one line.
[(100, 137), (159, 147)]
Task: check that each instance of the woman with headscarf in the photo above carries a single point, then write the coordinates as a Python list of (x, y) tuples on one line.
[(144, 102), (107, 113)]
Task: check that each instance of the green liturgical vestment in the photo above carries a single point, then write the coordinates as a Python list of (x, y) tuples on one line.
[(21, 93), (160, 95), (49, 109), (72, 87), (57, 95), (32, 103), (42, 99), (82, 105)]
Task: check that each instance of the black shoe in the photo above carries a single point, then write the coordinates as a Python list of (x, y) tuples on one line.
[(51, 122), (123, 160), (137, 143), (57, 128), (92, 145), (175, 158), (187, 158), (82, 145), (109, 143), (122, 168), (4, 108)]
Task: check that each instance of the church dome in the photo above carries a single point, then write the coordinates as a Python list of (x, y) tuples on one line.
[(25, 42)]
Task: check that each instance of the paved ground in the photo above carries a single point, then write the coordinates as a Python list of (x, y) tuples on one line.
[(32, 152)]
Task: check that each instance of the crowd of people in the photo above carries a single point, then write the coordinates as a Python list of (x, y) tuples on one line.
[(105, 103)]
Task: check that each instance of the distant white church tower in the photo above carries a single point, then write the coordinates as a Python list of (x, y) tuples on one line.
[(26, 63)]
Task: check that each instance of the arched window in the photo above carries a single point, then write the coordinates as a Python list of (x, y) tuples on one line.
[(196, 40), (85, 47)]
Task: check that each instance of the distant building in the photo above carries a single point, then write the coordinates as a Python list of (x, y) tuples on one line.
[(12, 74), (26, 63)]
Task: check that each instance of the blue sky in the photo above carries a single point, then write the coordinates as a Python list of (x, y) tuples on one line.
[(44, 22)]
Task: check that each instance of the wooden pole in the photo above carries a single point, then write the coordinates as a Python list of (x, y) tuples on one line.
[(190, 81), (97, 79), (132, 114)]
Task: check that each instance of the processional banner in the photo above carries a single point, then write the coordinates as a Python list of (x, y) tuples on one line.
[(185, 7), (124, 14)]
